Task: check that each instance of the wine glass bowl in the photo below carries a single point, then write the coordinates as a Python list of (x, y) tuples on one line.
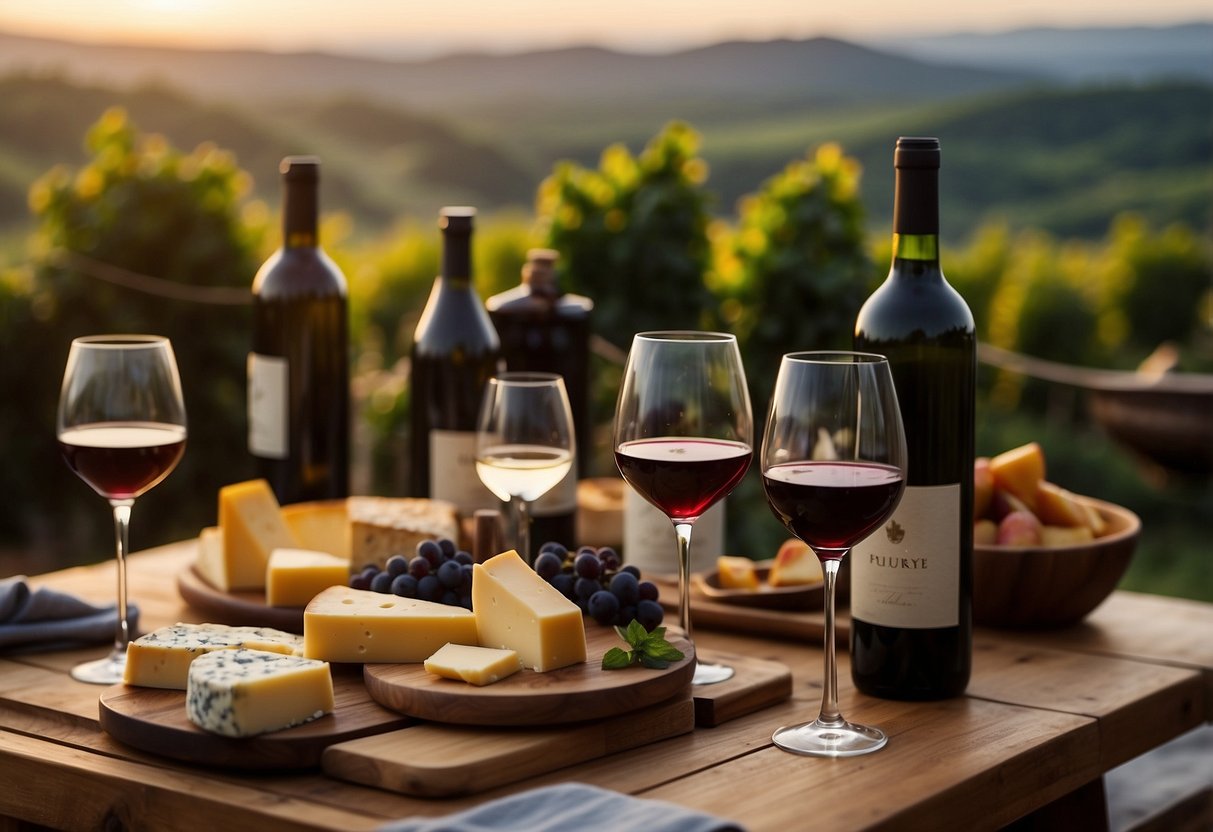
[(683, 436), (121, 429), (833, 468)]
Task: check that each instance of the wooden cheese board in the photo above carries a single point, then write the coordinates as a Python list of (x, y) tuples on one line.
[(154, 720), (242, 608), (571, 694)]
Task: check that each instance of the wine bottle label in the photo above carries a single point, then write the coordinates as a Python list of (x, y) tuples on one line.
[(907, 574), (453, 471), (650, 544), (268, 425), (560, 498)]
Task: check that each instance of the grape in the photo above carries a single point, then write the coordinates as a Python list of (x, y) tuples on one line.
[(548, 565), (359, 581), (419, 567), (405, 586), (466, 602), (557, 549), (626, 587), (430, 588), (649, 614), (587, 566), (430, 550), (450, 574), (609, 558), (465, 578), (382, 582), (564, 584), (648, 591), (603, 607), (447, 546), (626, 615), (450, 598), (584, 588), (397, 565), (631, 570), (462, 557)]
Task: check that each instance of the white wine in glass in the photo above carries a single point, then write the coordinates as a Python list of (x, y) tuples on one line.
[(121, 429)]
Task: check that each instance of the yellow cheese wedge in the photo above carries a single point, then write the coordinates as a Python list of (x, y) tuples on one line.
[(322, 526), (242, 693), (477, 665), (162, 658), (252, 527), (517, 610), (384, 526), (211, 563), (296, 576), (354, 625)]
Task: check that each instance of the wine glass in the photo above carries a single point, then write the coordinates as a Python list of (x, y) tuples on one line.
[(524, 443), (121, 428), (684, 437), (833, 467)]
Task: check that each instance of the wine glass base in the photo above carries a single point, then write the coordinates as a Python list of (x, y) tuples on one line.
[(819, 739), (711, 674), (107, 671)]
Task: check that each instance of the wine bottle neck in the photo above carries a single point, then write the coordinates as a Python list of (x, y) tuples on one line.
[(918, 247), (299, 212), (457, 258)]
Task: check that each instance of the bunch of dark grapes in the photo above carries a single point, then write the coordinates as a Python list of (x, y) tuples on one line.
[(438, 572), (594, 580)]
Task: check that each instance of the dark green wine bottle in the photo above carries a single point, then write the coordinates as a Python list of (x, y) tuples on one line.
[(298, 370), (911, 582)]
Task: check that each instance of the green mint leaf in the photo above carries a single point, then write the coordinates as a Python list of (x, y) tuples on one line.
[(636, 634), (616, 659), (653, 662), (664, 651), (623, 634)]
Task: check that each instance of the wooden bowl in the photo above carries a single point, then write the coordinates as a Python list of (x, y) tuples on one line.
[(1037, 587)]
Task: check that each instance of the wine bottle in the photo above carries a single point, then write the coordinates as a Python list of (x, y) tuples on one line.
[(911, 582), (455, 352), (298, 369), (545, 329)]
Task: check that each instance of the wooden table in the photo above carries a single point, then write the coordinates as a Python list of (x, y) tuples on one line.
[(1046, 715)]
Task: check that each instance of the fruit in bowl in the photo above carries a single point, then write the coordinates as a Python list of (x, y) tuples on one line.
[(1042, 556)]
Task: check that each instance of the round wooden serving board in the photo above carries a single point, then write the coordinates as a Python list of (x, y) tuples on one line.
[(154, 720), (246, 608), (570, 694)]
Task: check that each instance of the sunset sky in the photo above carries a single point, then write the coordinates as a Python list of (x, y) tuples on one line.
[(426, 28)]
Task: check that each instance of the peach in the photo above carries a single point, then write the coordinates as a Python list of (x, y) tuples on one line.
[(985, 533), (1020, 471), (736, 572), (1095, 521), (795, 565), (1065, 535), (1057, 507), (1019, 528), (1003, 503), (983, 487)]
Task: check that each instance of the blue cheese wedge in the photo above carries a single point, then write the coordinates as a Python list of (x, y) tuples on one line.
[(162, 658), (243, 693)]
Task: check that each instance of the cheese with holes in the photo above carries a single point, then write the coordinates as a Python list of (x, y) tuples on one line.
[(162, 658), (252, 527), (296, 576), (477, 665), (321, 526), (242, 693), (384, 526), (355, 625), (518, 610)]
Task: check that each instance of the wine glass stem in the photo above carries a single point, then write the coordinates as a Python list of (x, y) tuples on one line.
[(829, 693), (683, 532), (122, 521), (522, 518)]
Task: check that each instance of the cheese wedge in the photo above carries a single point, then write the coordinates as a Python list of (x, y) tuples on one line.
[(321, 527), (242, 693), (384, 526), (296, 576), (518, 610), (251, 527), (162, 658), (211, 563), (354, 625), (477, 665)]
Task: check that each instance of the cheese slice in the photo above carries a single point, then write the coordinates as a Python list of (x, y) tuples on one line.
[(162, 658), (251, 527), (384, 526), (518, 610), (477, 665), (211, 563), (242, 693), (296, 576), (355, 625), (322, 526)]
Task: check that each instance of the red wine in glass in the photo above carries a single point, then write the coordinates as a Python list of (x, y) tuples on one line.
[(121, 460), (832, 505), (683, 476)]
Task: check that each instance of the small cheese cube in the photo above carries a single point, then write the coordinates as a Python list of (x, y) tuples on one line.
[(477, 665), (252, 527), (384, 526), (162, 658), (296, 576), (321, 527), (517, 610), (242, 693), (354, 625)]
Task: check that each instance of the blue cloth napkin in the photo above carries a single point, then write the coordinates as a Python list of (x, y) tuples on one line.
[(49, 620), (570, 807)]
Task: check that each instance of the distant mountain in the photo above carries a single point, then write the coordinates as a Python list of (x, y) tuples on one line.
[(1136, 53)]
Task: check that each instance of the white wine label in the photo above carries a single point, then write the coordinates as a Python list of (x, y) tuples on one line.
[(560, 498), (453, 474), (268, 426), (907, 574), (650, 544)]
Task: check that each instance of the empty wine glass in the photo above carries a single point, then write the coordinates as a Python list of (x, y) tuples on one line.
[(121, 429), (833, 467), (524, 443), (684, 437)]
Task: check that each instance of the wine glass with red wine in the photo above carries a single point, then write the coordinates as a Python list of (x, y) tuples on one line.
[(833, 466), (121, 428), (684, 437)]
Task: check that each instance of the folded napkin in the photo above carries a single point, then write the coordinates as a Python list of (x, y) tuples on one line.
[(569, 806), (50, 620)]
